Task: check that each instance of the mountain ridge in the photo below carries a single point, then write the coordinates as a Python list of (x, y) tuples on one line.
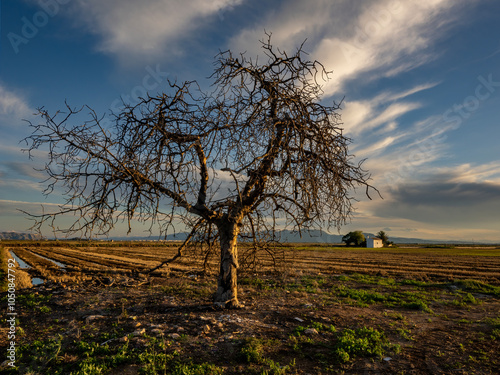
[(312, 236)]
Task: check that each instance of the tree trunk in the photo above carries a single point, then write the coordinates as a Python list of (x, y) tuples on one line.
[(227, 285)]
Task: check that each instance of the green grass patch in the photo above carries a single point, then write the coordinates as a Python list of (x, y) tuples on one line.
[(373, 280), (362, 342), (253, 352), (53, 356), (155, 360), (32, 300), (465, 300), (414, 300), (494, 322), (258, 283), (362, 297), (318, 326), (475, 286), (405, 333), (84, 357), (308, 284), (416, 283)]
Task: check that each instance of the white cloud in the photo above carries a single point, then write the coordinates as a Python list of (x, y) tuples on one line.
[(131, 29), (377, 38), (13, 109), (367, 118), (389, 37), (382, 110), (19, 185), (378, 146), (12, 105)]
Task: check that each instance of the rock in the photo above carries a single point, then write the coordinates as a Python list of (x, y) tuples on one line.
[(89, 319), (139, 332), (311, 331), (157, 332), (139, 341), (387, 359)]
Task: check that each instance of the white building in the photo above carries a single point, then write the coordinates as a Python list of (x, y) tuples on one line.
[(374, 242)]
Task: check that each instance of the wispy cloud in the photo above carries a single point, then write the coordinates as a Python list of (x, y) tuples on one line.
[(12, 105), (132, 29), (388, 37), (382, 110), (372, 39), (24, 169), (367, 117), (12, 207), (19, 185)]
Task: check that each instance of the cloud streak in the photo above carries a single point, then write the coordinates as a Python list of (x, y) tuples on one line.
[(373, 39), (131, 29), (13, 107)]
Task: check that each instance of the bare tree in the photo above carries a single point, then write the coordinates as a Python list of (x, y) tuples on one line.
[(258, 151)]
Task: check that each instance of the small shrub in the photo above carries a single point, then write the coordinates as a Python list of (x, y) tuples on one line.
[(366, 342), (252, 351)]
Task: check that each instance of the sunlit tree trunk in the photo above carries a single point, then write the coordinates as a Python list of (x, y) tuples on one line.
[(227, 285)]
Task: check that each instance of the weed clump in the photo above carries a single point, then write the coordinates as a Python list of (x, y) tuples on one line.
[(364, 342)]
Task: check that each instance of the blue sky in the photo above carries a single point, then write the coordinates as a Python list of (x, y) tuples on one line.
[(420, 82)]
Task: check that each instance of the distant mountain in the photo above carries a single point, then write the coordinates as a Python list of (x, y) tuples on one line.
[(312, 236), (181, 236), (283, 236), (19, 236)]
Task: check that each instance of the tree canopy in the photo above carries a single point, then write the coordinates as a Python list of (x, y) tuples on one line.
[(385, 238), (257, 152), (355, 238)]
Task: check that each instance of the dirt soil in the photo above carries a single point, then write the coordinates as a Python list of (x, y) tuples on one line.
[(289, 325)]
